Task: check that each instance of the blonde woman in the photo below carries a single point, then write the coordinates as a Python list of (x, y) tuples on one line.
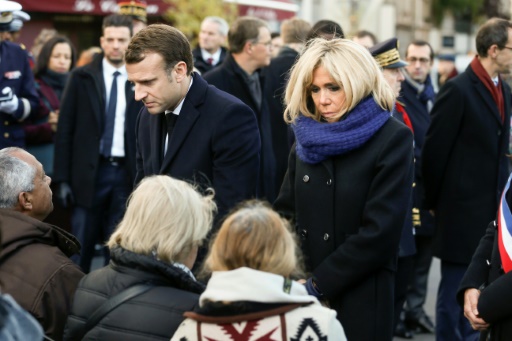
[(155, 244), (348, 182), (253, 259)]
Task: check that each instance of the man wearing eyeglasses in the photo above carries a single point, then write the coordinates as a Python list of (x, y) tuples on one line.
[(250, 49), (418, 97), (465, 169)]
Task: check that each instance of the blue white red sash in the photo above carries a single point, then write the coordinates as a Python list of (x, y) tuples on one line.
[(505, 230)]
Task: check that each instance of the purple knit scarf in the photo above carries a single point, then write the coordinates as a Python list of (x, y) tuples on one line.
[(317, 141)]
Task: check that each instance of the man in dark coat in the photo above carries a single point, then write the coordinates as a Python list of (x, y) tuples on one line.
[(293, 33), (188, 129), (94, 162), (484, 291), (250, 49), (34, 262), (418, 97), (465, 165), (210, 53)]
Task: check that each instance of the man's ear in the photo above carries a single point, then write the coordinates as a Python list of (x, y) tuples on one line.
[(25, 201), (181, 71), (248, 47)]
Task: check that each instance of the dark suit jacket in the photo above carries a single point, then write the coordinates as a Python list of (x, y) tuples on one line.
[(80, 127), (465, 164), (349, 211), (15, 73), (276, 78), (215, 143), (201, 64), (229, 77), (420, 119)]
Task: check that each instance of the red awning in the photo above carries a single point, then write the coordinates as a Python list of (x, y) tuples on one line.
[(91, 7), (270, 10)]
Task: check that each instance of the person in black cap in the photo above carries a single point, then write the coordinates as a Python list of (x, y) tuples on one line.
[(387, 55), (18, 96), (137, 10)]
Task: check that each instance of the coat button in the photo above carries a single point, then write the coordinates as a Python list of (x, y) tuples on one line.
[(329, 182), (304, 233), (326, 236), (6, 123), (499, 132), (305, 178), (6, 135)]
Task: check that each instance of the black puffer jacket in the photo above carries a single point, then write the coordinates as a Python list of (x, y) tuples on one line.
[(154, 315)]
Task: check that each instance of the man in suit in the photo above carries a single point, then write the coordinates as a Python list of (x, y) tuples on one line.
[(293, 33), (250, 48), (211, 52), (465, 166), (95, 144), (188, 129), (418, 98)]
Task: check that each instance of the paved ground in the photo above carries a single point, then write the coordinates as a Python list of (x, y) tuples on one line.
[(431, 301)]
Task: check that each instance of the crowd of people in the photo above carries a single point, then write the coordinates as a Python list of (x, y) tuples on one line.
[(293, 186)]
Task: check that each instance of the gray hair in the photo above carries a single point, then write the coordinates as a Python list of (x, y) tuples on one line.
[(223, 25), (16, 176)]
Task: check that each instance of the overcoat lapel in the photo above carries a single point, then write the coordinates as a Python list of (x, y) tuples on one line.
[(486, 97), (184, 124), (156, 138)]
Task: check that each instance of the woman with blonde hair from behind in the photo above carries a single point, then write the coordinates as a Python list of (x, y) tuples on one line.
[(152, 251), (251, 292)]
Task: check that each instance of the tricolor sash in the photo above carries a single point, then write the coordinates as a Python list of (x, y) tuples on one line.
[(505, 230)]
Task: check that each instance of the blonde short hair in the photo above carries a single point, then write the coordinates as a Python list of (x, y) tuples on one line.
[(255, 236), (166, 217), (351, 66)]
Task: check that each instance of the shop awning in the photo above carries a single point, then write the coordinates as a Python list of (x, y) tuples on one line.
[(264, 9), (92, 7)]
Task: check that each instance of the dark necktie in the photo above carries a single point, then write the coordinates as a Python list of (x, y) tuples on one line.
[(170, 119), (108, 132), (210, 61)]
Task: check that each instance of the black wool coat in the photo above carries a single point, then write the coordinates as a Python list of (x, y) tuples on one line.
[(485, 272), (349, 211), (464, 164)]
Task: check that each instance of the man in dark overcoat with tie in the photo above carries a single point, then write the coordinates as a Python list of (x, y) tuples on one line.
[(95, 143), (213, 140)]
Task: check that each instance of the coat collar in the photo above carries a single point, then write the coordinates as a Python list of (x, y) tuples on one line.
[(483, 92)]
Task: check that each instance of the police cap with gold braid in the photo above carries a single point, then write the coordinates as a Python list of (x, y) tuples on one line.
[(134, 8), (387, 55)]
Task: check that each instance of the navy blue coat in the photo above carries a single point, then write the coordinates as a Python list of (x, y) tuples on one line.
[(420, 119), (15, 73), (229, 77), (215, 143)]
